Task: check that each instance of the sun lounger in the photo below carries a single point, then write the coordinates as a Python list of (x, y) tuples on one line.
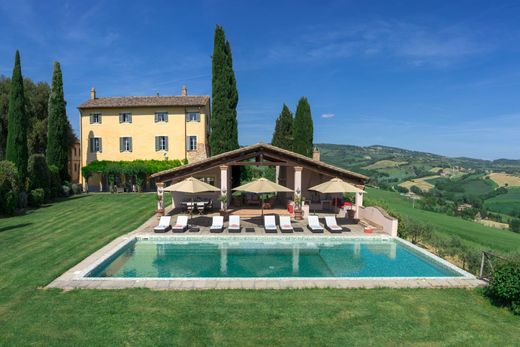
[(217, 224), (285, 224), (164, 225), (181, 225), (313, 223), (270, 224), (332, 225), (234, 224)]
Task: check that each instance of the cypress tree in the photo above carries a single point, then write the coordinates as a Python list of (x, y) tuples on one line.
[(303, 130), (224, 128), (57, 128), (283, 131), (16, 148)]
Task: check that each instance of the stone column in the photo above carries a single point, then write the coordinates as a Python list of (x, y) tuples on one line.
[(298, 180), (160, 198), (358, 203), (224, 169)]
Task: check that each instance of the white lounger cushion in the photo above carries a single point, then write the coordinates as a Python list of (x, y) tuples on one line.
[(234, 222), (331, 223), (164, 223), (217, 222), (269, 222), (314, 223), (182, 222), (285, 223)]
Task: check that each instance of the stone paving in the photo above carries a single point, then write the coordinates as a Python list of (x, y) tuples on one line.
[(74, 277)]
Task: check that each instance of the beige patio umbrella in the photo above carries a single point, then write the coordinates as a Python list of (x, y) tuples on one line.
[(192, 186), (262, 186), (336, 186)]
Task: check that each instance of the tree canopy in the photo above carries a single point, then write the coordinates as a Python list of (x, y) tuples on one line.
[(224, 128), (16, 147), (303, 129), (283, 131), (57, 141)]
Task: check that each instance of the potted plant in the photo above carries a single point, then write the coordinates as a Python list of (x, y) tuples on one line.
[(160, 205), (223, 198), (298, 202)]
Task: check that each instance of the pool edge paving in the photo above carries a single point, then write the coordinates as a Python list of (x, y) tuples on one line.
[(74, 278)]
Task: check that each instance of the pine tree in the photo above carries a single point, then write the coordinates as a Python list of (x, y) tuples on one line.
[(283, 131), (16, 148), (303, 130), (224, 128), (57, 128)]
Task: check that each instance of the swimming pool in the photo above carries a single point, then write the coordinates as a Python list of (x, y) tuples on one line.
[(271, 258)]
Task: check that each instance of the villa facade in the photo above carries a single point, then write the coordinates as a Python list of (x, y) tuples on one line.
[(148, 127)]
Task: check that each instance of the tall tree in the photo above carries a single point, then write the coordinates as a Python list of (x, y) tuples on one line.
[(283, 131), (303, 129), (16, 148), (224, 129), (57, 133)]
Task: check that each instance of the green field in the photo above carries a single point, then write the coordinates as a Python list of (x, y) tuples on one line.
[(39, 246), (480, 236), (505, 203)]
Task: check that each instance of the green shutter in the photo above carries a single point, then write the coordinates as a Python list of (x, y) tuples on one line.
[(121, 141), (157, 143), (166, 143), (91, 118), (99, 117), (120, 118), (166, 117), (130, 144), (100, 146), (129, 118)]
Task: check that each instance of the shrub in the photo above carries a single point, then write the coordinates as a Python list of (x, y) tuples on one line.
[(55, 182), (514, 225), (76, 189), (36, 197), (65, 190), (8, 187), (39, 174), (504, 286)]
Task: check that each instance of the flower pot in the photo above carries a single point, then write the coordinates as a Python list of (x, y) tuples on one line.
[(298, 214), (159, 212)]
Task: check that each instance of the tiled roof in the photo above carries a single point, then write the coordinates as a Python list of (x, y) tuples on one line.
[(136, 101)]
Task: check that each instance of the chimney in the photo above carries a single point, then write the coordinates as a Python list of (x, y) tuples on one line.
[(316, 154), (92, 93), (184, 91)]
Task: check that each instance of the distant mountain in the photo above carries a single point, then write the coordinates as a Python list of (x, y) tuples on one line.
[(360, 158)]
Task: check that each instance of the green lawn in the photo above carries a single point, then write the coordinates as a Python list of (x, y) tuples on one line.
[(479, 235), (39, 246)]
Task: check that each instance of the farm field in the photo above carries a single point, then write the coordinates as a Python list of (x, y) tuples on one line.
[(419, 182), (41, 245), (474, 234), (502, 179), (505, 203), (383, 164)]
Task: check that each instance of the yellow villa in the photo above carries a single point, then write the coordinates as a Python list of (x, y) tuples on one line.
[(143, 127)]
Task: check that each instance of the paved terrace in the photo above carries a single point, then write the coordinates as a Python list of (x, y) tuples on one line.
[(74, 278)]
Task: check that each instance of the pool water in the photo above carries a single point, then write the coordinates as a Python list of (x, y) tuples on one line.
[(232, 258)]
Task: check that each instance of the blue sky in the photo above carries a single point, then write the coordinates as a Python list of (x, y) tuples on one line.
[(439, 76)]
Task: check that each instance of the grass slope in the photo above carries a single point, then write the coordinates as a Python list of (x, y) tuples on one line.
[(505, 203), (39, 246), (472, 232)]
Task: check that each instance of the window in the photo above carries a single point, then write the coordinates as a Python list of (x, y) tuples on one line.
[(125, 117), (161, 143), (193, 117), (95, 144), (209, 180), (95, 118), (125, 144), (161, 117), (191, 144)]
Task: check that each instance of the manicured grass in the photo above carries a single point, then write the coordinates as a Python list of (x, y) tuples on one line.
[(39, 246), (479, 235)]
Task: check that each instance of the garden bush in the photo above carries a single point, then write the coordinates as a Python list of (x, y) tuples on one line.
[(36, 197), (504, 286), (39, 174), (76, 188), (9, 188), (55, 182)]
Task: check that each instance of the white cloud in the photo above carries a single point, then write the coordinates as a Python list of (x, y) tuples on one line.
[(328, 115)]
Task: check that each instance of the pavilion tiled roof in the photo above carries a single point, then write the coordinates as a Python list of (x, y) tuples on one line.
[(140, 101)]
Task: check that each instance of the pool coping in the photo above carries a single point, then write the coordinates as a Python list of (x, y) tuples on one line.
[(74, 278)]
